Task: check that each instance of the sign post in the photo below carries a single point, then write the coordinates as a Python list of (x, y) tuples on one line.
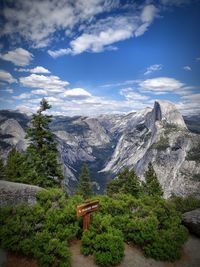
[(85, 209)]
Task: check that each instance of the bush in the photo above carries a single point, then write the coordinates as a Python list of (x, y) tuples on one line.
[(43, 230), (184, 204), (109, 248), (152, 223)]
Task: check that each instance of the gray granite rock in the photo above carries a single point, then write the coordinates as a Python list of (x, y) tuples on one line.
[(17, 193), (191, 219)]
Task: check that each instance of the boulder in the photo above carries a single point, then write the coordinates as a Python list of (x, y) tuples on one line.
[(191, 220), (17, 193)]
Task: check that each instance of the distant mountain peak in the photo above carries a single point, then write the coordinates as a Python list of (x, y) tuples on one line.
[(165, 111)]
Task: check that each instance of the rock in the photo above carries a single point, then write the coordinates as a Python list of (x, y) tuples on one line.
[(16, 193), (191, 220), (111, 142)]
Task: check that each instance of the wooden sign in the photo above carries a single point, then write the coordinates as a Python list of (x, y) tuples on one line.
[(85, 210)]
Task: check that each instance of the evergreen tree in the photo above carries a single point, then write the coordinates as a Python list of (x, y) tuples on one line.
[(2, 170), (42, 167), (126, 182), (85, 184), (152, 186), (14, 166)]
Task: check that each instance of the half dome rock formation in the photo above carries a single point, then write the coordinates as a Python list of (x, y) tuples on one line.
[(109, 143)]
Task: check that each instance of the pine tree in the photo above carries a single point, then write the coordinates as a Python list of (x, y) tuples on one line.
[(42, 167), (14, 166), (2, 170), (126, 182), (132, 185), (85, 184), (152, 186)]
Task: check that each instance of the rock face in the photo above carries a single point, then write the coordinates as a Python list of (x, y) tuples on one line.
[(191, 219), (15, 193), (108, 143)]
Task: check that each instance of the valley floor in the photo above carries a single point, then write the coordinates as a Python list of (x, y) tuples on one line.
[(133, 257)]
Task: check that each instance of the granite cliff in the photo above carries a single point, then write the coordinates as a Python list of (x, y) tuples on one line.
[(108, 143)]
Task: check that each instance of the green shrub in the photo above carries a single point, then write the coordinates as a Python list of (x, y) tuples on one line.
[(184, 204), (43, 230), (109, 248)]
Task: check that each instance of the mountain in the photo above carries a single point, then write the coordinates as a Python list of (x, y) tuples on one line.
[(108, 143)]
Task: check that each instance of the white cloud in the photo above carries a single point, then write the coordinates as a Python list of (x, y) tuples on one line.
[(50, 83), (37, 21), (198, 59), (100, 35), (39, 92), (130, 94), (148, 13), (161, 84), (7, 77), (9, 90), (187, 68), (153, 68), (124, 83), (22, 96), (60, 52), (38, 69), (76, 93), (19, 57)]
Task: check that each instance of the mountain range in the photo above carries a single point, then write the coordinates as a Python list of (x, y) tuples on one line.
[(111, 142)]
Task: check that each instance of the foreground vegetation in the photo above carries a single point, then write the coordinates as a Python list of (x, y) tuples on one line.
[(44, 230)]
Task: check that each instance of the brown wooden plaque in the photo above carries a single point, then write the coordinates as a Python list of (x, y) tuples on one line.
[(87, 208)]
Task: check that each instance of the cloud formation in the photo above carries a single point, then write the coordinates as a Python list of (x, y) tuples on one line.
[(187, 68), (38, 69), (101, 35), (19, 57), (153, 68), (160, 85), (7, 77), (50, 83)]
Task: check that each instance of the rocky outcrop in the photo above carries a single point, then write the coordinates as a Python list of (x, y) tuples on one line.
[(108, 143), (16, 193), (191, 219)]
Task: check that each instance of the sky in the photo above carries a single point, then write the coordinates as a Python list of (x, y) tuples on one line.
[(89, 57)]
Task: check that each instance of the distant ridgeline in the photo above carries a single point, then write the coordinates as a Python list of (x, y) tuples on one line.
[(108, 143)]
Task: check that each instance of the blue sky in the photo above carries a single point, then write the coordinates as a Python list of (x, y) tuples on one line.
[(89, 57)]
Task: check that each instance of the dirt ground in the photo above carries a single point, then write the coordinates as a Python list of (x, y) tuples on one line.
[(133, 257)]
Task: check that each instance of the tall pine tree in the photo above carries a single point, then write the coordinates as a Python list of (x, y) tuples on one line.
[(152, 186), (126, 182), (85, 184), (2, 170), (14, 168), (42, 167)]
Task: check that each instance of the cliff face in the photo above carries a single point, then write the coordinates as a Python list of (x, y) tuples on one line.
[(108, 143)]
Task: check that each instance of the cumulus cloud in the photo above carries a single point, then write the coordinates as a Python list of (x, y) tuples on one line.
[(19, 57), (59, 52), (76, 93), (100, 35), (153, 68), (160, 85), (130, 94), (38, 69), (31, 19), (51, 83), (22, 96), (7, 77), (187, 68)]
